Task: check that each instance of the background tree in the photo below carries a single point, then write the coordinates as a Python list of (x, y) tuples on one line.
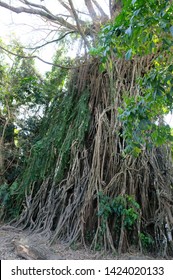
[(21, 100)]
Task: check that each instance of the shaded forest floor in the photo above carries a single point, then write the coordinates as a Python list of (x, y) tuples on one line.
[(12, 242)]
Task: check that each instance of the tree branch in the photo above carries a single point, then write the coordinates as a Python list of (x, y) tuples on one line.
[(78, 24), (40, 13), (103, 14), (110, 7), (39, 58), (41, 7), (50, 42), (66, 7), (70, 11), (91, 10)]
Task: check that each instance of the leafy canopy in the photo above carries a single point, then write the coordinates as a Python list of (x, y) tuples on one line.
[(143, 28)]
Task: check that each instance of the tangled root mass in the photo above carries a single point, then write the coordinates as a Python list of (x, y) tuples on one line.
[(84, 189)]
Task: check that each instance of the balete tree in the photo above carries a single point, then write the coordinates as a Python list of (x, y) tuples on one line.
[(101, 170)]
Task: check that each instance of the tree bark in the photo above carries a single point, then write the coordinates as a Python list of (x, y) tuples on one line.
[(1, 161)]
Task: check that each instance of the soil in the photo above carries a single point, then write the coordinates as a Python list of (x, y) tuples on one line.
[(12, 240)]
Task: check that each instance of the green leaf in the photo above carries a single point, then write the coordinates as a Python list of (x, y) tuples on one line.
[(128, 54), (171, 30), (129, 31)]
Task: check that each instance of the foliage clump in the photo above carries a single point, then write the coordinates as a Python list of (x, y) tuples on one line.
[(143, 29)]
